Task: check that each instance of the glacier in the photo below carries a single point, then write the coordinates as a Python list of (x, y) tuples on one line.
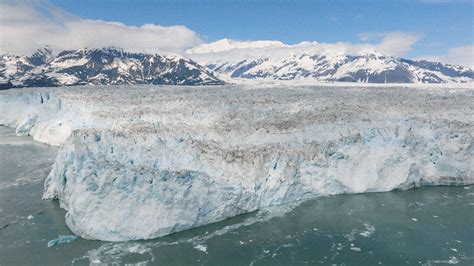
[(140, 162)]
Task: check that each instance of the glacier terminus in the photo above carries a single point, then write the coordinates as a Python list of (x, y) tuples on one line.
[(140, 162)]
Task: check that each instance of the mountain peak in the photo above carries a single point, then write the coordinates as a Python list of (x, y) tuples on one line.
[(102, 66), (308, 61), (371, 53), (230, 44)]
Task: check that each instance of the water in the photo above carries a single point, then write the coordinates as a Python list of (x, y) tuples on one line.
[(424, 226)]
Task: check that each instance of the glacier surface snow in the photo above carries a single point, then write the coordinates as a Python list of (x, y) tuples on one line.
[(143, 162)]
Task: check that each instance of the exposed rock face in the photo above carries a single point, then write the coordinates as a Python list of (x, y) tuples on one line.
[(344, 68), (142, 163), (108, 66), (267, 60)]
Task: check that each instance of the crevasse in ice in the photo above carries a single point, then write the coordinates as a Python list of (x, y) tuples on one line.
[(143, 162)]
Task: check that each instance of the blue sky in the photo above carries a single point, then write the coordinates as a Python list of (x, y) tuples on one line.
[(437, 30), (442, 24)]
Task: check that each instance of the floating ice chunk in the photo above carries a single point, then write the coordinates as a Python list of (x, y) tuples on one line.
[(30, 217), (356, 249), (452, 260), (201, 247), (62, 239), (414, 219), (369, 230), (114, 253)]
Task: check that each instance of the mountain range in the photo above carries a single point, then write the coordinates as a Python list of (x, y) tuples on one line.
[(107, 66), (272, 60), (212, 63)]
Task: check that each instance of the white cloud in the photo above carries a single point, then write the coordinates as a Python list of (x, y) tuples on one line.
[(28, 26), (395, 44), (370, 36), (463, 56)]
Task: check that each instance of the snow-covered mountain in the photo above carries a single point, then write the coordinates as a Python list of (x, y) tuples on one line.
[(101, 67), (222, 60), (229, 44), (313, 61)]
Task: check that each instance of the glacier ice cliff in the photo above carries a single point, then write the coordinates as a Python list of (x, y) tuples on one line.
[(143, 162)]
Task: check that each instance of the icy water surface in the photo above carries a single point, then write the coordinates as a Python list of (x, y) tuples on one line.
[(424, 226)]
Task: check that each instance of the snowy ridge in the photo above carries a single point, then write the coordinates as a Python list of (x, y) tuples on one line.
[(229, 60), (107, 66), (139, 163), (320, 62), (228, 44)]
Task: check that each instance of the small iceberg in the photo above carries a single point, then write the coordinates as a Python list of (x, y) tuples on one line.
[(62, 239), (202, 248)]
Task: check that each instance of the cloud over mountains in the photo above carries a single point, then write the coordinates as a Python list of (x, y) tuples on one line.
[(463, 55), (394, 44), (27, 26)]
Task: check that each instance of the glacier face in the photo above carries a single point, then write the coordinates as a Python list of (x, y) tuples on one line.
[(143, 162)]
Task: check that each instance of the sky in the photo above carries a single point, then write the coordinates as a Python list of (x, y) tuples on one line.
[(433, 29)]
